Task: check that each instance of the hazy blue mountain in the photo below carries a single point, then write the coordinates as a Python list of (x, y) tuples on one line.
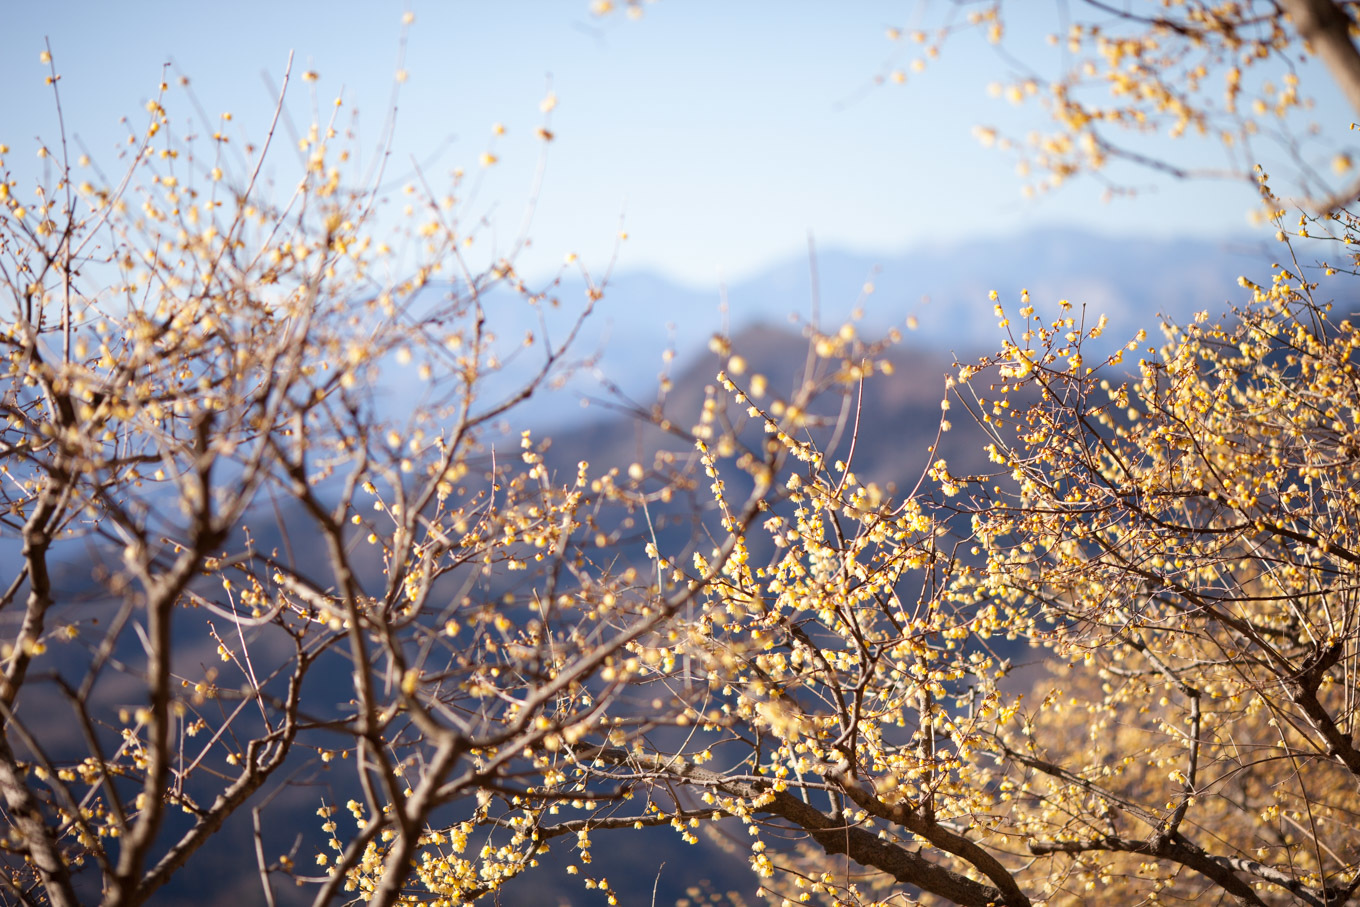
[(944, 287)]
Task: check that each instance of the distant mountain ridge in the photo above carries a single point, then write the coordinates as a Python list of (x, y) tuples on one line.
[(944, 288)]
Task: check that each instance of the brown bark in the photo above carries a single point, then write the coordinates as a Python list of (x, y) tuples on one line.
[(832, 833), (1327, 29)]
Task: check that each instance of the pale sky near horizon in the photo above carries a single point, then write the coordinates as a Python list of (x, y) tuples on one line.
[(722, 133)]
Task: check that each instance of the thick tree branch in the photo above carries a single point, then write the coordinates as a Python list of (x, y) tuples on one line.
[(1303, 690), (1222, 871), (39, 838), (1326, 27), (832, 833)]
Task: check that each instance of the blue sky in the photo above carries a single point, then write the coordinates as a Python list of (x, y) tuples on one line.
[(722, 133)]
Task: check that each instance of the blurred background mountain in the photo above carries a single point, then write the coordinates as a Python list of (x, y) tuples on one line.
[(936, 296)]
